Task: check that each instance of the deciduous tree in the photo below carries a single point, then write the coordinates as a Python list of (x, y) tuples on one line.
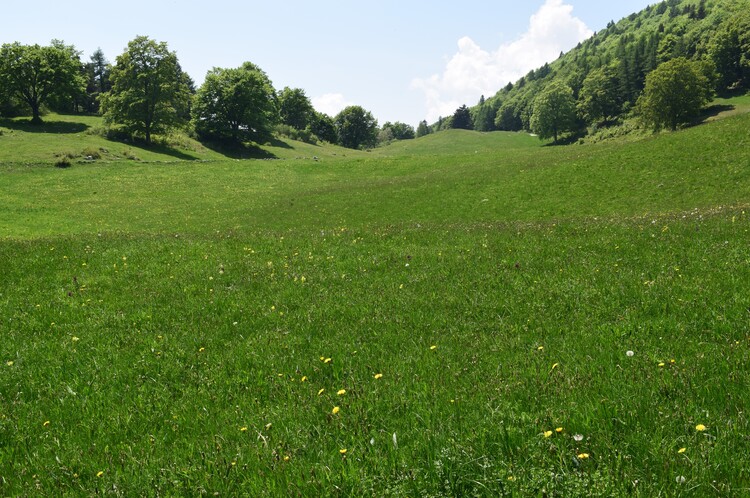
[(675, 92), (600, 98), (554, 111), (236, 104), (34, 74), (356, 128), (149, 92), (295, 108)]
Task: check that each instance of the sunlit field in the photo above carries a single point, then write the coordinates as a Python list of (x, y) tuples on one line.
[(463, 314)]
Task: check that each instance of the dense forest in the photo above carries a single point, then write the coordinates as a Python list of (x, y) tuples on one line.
[(607, 74)]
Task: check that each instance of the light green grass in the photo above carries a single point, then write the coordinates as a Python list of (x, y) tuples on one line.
[(158, 320)]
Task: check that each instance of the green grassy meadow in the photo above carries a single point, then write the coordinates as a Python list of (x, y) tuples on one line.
[(449, 316)]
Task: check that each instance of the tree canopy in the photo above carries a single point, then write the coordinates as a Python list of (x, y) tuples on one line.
[(34, 74), (675, 93), (462, 119), (554, 111), (295, 108), (356, 128), (236, 104), (150, 92)]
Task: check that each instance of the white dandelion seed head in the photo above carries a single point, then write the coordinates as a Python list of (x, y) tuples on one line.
[(578, 437), (629, 353), (680, 479)]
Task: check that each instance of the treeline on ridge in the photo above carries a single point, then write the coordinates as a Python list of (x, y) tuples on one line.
[(660, 65), (146, 93)]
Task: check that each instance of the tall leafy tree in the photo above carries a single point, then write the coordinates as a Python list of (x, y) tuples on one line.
[(399, 130), (554, 111), (356, 128), (600, 98), (236, 104), (149, 92), (295, 108), (730, 52), (462, 119), (323, 127), (423, 129), (675, 93), (34, 74)]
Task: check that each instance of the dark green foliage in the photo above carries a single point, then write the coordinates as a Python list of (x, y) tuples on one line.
[(730, 52), (675, 93), (462, 119), (554, 112), (356, 128), (238, 105), (295, 108), (399, 131), (150, 93), (323, 127), (37, 75), (423, 129), (600, 98), (483, 115)]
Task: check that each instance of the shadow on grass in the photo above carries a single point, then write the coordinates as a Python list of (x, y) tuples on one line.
[(711, 112), (166, 150), (242, 151), (25, 125)]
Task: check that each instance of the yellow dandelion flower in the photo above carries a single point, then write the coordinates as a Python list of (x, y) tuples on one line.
[(511, 478), (327, 360), (46, 423), (547, 433), (682, 450), (243, 429), (303, 379), (583, 456), (554, 366), (341, 392), (342, 451), (9, 363), (540, 348), (321, 391), (378, 376), (559, 430), (286, 458), (75, 339), (100, 473), (200, 350), (335, 410), (433, 347), (661, 363), (322, 358), (700, 427)]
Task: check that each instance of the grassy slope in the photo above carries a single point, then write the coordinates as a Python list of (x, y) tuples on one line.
[(157, 319)]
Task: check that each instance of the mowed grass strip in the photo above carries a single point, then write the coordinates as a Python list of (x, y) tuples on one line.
[(382, 325)]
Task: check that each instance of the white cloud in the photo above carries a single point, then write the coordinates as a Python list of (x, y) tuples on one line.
[(473, 71), (330, 103)]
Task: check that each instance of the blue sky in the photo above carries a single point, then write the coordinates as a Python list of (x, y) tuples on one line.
[(401, 60)]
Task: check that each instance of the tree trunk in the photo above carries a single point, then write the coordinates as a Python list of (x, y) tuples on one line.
[(35, 119)]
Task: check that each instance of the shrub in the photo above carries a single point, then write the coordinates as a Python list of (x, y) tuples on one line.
[(91, 152), (63, 162)]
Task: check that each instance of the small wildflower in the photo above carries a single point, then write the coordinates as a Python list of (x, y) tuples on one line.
[(559, 430), (629, 353), (286, 458), (547, 433), (342, 451), (341, 392), (661, 364), (583, 456), (321, 391), (327, 360), (540, 348), (9, 363), (303, 379), (100, 473), (200, 350), (680, 479), (578, 437), (46, 423), (378, 376), (700, 427), (433, 347), (672, 362), (243, 429), (511, 478), (682, 450), (75, 339), (335, 410)]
